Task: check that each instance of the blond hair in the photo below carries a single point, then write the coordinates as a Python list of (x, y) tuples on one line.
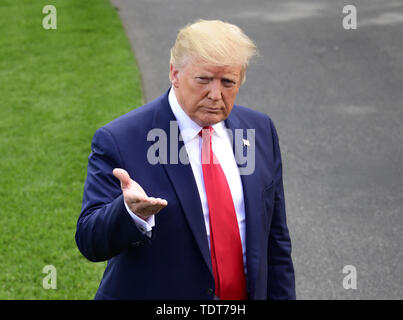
[(215, 42)]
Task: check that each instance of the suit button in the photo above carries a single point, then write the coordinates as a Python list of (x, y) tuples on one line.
[(137, 243), (209, 291)]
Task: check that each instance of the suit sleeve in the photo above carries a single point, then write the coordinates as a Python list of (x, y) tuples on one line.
[(104, 227), (281, 279)]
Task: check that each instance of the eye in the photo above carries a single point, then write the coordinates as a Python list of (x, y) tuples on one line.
[(203, 80), (228, 83)]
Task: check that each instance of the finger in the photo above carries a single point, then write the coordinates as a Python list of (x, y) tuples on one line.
[(144, 204), (151, 200), (151, 204), (157, 201), (136, 198), (162, 202), (123, 177)]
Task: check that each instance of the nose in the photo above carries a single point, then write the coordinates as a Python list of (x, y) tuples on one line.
[(215, 90)]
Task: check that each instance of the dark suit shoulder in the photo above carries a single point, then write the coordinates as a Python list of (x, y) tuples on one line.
[(252, 118)]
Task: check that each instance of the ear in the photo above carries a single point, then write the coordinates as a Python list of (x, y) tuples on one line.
[(173, 75)]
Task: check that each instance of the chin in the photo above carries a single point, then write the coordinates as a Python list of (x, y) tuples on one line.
[(211, 121), (208, 119)]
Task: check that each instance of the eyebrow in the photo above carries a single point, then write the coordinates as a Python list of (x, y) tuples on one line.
[(225, 78)]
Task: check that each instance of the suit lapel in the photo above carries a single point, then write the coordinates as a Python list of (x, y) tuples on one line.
[(182, 180), (252, 200)]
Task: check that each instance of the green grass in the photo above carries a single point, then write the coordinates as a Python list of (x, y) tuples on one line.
[(56, 88)]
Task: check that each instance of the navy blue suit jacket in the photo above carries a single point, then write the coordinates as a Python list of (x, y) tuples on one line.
[(175, 262)]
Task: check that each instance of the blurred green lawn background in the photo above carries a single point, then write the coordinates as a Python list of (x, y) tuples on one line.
[(56, 88)]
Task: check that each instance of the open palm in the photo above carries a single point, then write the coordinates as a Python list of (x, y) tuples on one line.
[(136, 198)]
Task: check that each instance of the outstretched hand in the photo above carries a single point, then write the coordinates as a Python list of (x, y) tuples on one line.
[(136, 198)]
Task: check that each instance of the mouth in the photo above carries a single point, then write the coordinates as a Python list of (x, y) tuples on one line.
[(213, 109)]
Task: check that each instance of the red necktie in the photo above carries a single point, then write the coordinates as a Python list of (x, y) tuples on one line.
[(225, 241)]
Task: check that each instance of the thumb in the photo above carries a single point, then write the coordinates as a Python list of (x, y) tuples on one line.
[(123, 177)]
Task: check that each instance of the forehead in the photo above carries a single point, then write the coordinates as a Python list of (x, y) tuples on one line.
[(208, 68)]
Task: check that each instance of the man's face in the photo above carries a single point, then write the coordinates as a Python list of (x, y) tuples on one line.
[(206, 92)]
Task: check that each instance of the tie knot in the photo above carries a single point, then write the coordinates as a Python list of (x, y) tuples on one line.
[(207, 131)]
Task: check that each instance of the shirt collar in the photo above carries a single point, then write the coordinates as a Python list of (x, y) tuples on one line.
[(188, 128)]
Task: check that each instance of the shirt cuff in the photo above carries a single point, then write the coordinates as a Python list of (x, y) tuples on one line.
[(145, 226)]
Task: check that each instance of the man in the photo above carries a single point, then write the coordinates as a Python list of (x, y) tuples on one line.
[(181, 218)]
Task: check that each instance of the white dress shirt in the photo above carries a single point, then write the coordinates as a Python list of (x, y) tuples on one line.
[(223, 151)]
